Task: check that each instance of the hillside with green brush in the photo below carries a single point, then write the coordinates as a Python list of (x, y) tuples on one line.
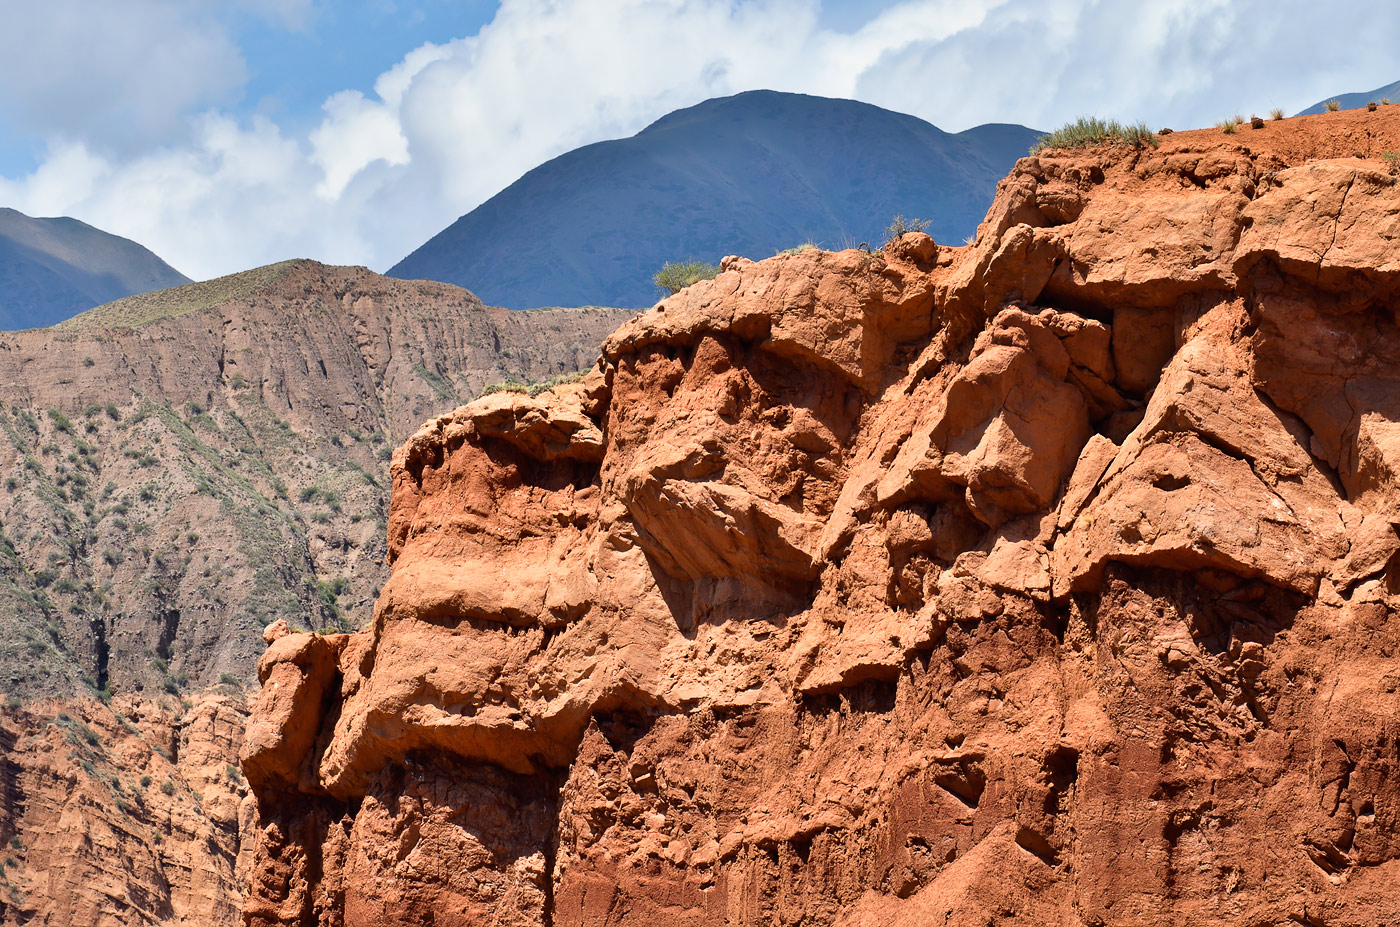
[(180, 469), (135, 311)]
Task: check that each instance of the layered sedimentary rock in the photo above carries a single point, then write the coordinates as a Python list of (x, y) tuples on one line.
[(132, 813), (1046, 580)]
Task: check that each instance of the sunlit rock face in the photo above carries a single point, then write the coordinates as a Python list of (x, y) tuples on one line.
[(1046, 580)]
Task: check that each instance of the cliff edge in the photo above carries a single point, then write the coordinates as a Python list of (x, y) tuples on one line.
[(1046, 580)]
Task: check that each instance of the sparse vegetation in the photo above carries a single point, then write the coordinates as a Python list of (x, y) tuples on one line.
[(1090, 130), (504, 386), (1227, 126), (330, 591), (1276, 114), (134, 311), (1392, 162), (805, 246), (1333, 105), (900, 226), (533, 388), (675, 276), (168, 787), (61, 421), (436, 381)]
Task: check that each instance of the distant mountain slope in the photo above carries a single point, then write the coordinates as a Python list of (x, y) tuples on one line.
[(51, 269), (748, 174), (179, 468), (1357, 100)]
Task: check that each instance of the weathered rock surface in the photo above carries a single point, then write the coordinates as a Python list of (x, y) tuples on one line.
[(133, 813), (1050, 580)]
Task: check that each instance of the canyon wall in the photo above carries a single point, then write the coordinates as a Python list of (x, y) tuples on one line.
[(128, 814), (1048, 580)]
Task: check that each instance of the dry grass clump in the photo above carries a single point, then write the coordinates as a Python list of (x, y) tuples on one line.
[(675, 276), (531, 387), (1392, 162), (1276, 114), (1228, 125), (1333, 105), (1091, 130)]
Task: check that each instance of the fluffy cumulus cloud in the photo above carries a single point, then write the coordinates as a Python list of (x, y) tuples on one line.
[(384, 168), (1182, 63)]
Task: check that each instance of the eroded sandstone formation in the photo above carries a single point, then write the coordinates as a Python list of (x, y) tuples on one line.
[(1048, 580), (124, 814)]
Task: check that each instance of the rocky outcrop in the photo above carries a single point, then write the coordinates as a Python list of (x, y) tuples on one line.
[(1046, 580), (129, 813)]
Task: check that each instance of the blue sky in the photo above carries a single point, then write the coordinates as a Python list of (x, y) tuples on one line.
[(342, 45), (229, 133)]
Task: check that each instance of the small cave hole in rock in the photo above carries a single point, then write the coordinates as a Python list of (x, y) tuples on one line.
[(1170, 482)]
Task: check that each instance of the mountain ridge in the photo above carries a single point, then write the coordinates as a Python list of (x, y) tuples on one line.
[(1356, 100), (52, 268), (749, 174)]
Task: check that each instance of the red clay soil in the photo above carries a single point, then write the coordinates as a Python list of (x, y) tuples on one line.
[(1050, 580), (1353, 133)]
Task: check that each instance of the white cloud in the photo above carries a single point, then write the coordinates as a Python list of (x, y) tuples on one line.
[(453, 123), (121, 75), (1182, 63), (356, 133)]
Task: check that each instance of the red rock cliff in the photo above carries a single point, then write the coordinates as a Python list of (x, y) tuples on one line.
[(1049, 580)]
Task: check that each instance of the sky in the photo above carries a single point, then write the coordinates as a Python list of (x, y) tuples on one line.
[(226, 134)]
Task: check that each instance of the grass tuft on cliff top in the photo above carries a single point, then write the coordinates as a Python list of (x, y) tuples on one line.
[(1091, 130), (531, 388), (135, 311), (675, 276)]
